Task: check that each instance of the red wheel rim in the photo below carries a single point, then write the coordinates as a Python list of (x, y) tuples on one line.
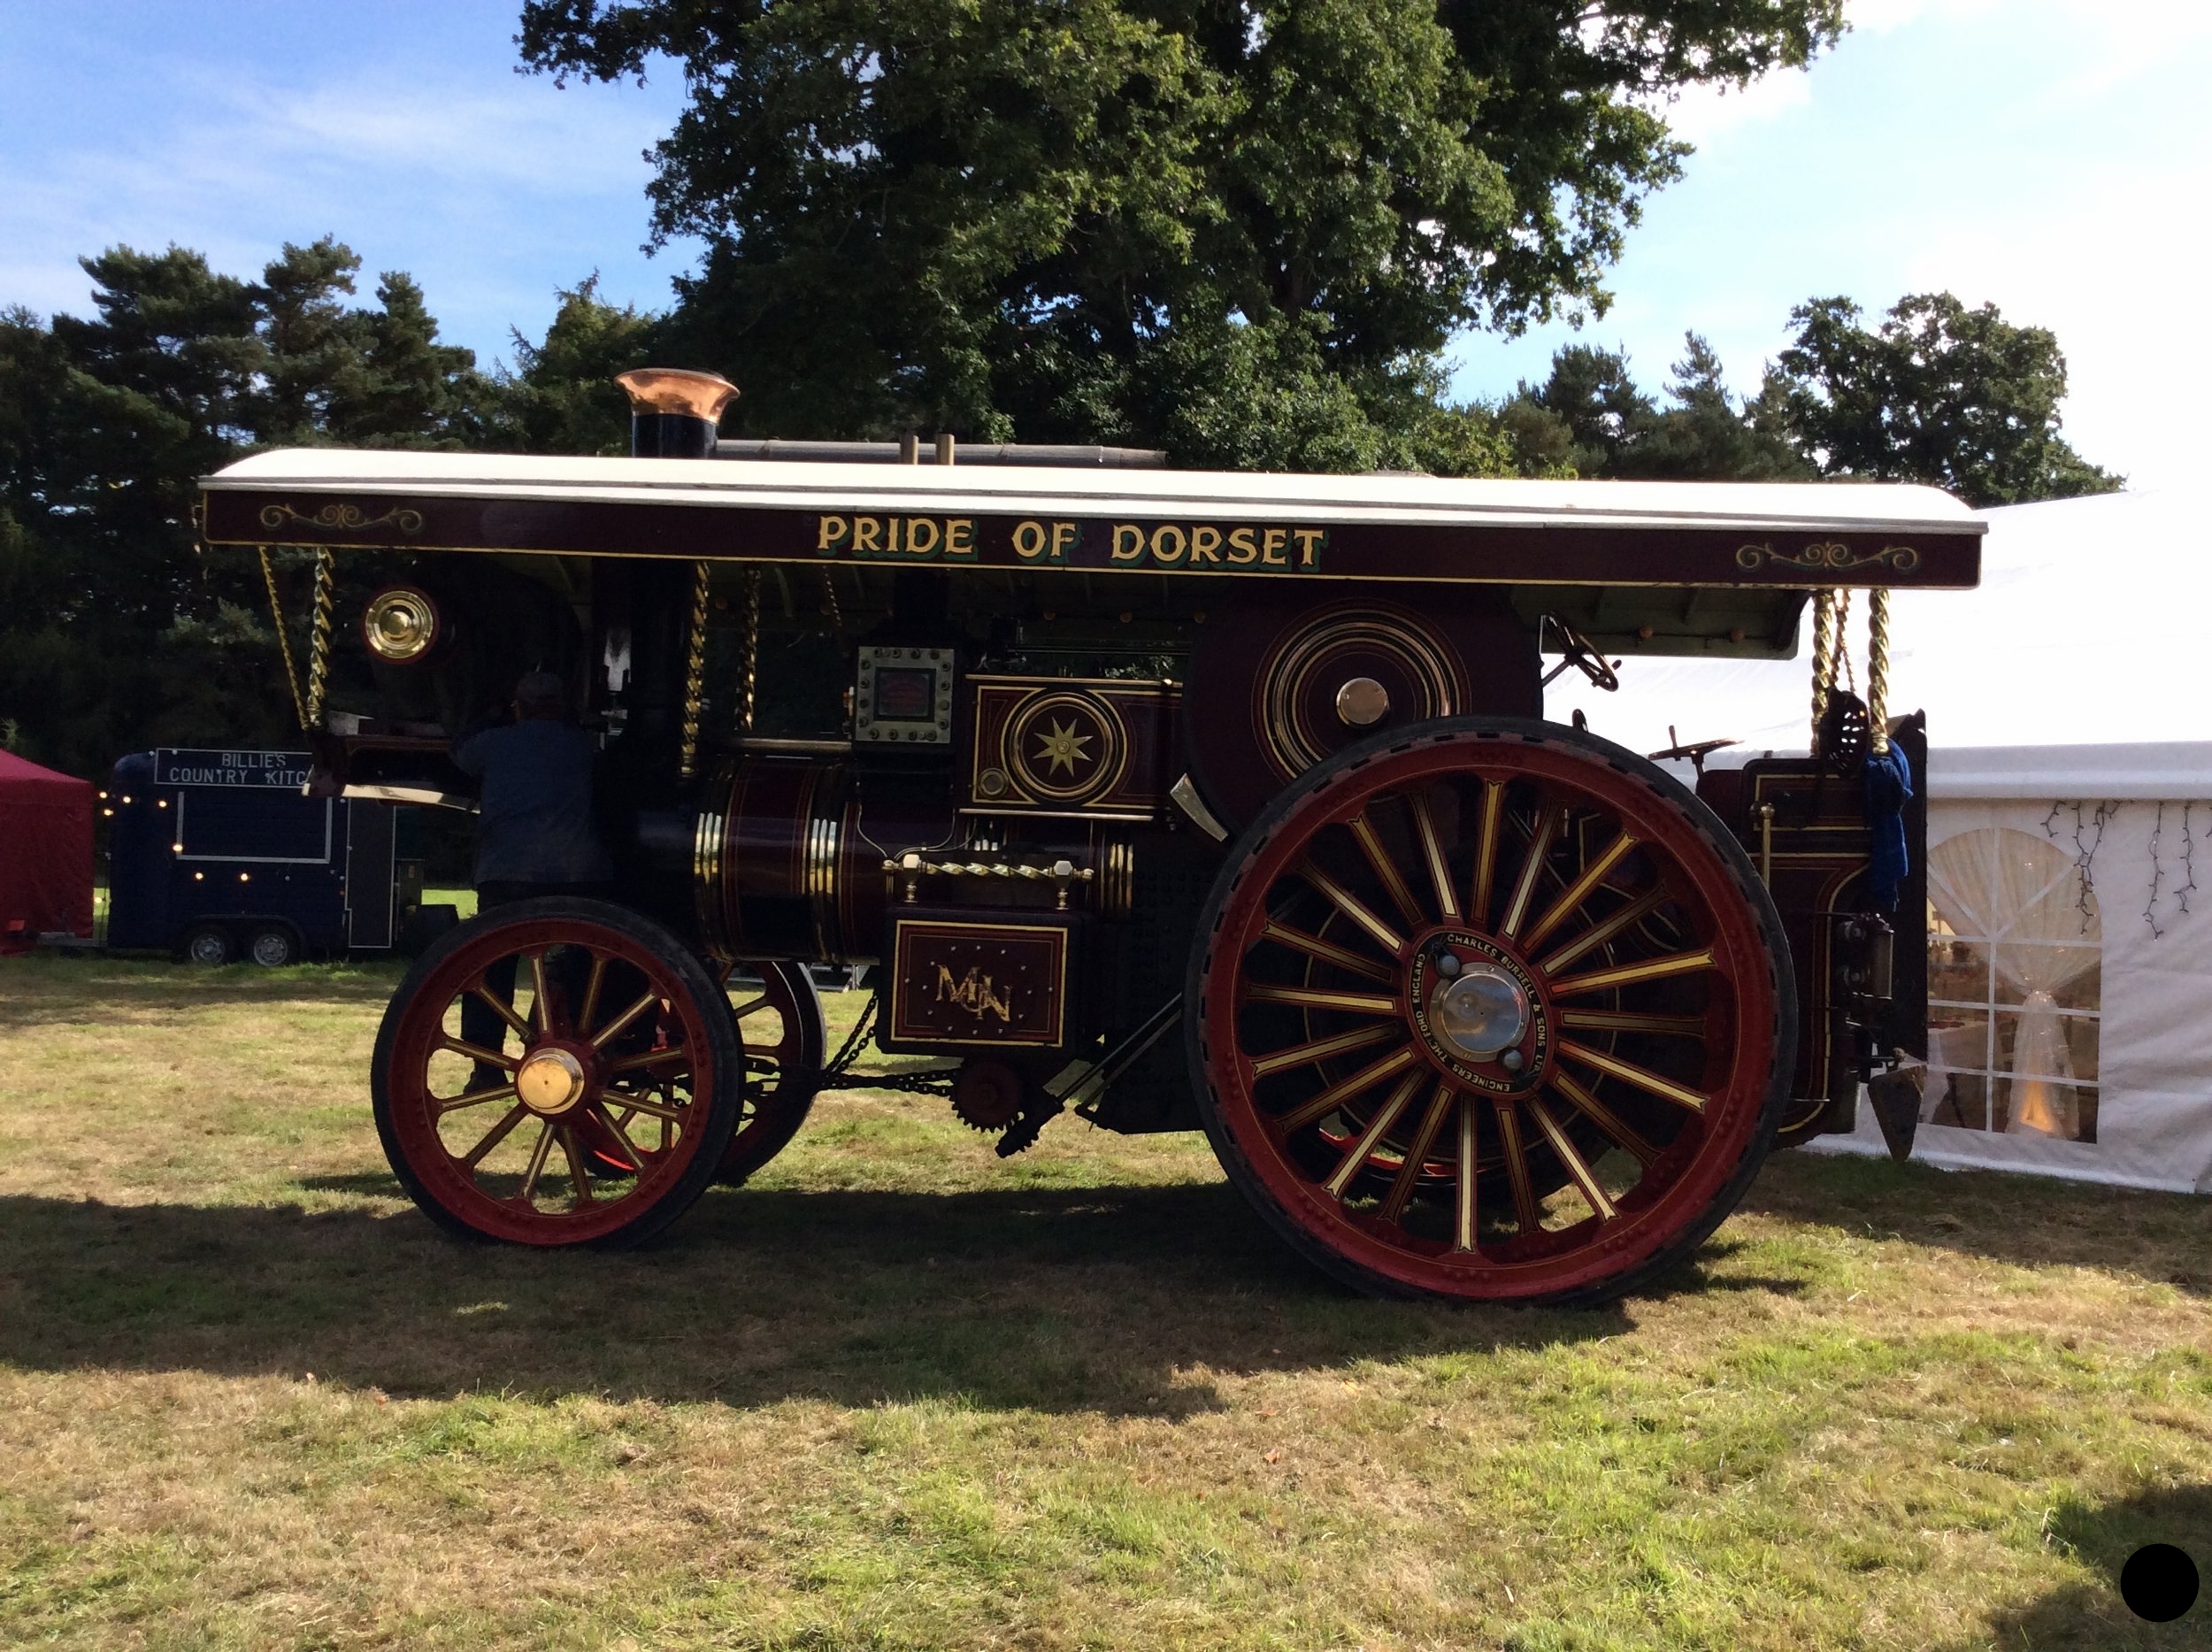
[(1567, 893), (779, 1024), (587, 998)]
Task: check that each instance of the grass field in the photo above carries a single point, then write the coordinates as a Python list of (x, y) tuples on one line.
[(899, 1393)]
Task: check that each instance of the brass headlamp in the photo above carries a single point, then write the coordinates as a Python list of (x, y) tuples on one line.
[(400, 626)]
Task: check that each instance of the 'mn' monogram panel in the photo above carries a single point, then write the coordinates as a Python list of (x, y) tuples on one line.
[(978, 984)]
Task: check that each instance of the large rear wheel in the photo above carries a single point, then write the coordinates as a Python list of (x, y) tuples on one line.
[(557, 1071), (1490, 1011)]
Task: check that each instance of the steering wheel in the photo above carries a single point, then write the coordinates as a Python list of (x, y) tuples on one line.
[(1583, 655)]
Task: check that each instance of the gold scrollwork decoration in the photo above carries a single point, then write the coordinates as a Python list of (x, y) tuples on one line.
[(1831, 557), (330, 517)]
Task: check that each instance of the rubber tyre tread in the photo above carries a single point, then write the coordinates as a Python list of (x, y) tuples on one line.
[(718, 1129), (1783, 979)]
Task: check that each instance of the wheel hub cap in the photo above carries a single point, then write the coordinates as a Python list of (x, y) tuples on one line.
[(1482, 1013), (551, 1081)]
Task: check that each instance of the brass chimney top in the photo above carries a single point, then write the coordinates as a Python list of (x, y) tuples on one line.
[(678, 390)]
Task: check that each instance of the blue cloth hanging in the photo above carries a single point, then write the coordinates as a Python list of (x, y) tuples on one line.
[(1888, 789)]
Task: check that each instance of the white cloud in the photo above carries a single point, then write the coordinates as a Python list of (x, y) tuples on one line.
[(1703, 113)]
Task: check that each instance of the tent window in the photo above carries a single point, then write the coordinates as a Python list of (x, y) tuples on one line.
[(2014, 946)]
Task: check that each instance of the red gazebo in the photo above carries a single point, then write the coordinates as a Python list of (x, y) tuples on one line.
[(45, 854)]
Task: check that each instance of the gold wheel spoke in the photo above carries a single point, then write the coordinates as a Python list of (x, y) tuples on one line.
[(1326, 951), (540, 1006), (1583, 1178), (1321, 1050), (1463, 1238), (1408, 1178), (576, 1173), (1377, 1127), (1517, 1169), (475, 1098), (1656, 969), (1598, 935), (1351, 905), (1576, 893), (477, 1052), (1546, 827), (538, 1156), (638, 1103), (1320, 1107), (591, 990), (1604, 1117), (1322, 998), (497, 1134), (1634, 1021), (506, 1010), (621, 1136), (1487, 852), (1629, 1072), (614, 1028), (1386, 873), (1432, 855), (747, 1007), (651, 1059)]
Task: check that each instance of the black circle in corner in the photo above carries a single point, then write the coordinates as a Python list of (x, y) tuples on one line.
[(2158, 1583)]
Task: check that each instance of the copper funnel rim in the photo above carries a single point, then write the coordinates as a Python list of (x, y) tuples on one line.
[(677, 391)]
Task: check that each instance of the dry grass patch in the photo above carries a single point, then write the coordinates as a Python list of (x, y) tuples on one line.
[(898, 1393)]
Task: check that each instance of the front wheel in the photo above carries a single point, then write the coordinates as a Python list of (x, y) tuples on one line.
[(1490, 1011), (531, 1048)]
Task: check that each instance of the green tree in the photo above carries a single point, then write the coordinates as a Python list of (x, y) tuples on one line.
[(562, 397), (1241, 229), (1959, 398), (1585, 416), (1704, 435)]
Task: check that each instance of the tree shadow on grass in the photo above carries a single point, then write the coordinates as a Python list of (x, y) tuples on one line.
[(1061, 1300), (2163, 1237), (80, 992), (2092, 1614)]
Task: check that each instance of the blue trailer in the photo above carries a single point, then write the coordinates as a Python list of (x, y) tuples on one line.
[(218, 854)]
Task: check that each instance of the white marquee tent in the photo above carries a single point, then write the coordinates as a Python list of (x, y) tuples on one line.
[(2070, 806)]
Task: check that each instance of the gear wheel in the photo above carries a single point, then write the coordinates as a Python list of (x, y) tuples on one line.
[(987, 1095)]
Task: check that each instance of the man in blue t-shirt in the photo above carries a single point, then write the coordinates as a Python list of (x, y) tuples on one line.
[(535, 835)]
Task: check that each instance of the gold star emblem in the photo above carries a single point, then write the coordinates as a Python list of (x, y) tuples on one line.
[(1063, 747)]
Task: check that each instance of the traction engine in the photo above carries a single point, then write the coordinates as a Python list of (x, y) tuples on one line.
[(1173, 800)]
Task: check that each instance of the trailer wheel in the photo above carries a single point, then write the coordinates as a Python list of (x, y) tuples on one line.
[(206, 943), (600, 1034), (273, 946), (1490, 1010), (779, 1024)]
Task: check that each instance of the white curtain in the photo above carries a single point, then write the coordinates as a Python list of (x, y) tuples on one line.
[(2021, 894)]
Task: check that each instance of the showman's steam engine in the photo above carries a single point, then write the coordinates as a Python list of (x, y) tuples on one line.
[(1176, 800)]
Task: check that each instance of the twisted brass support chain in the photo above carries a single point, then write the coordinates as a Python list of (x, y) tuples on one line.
[(830, 607), (284, 640), (1824, 665), (318, 643), (1877, 669), (695, 672), (751, 677)]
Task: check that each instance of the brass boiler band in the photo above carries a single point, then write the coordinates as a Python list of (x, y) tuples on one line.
[(791, 859)]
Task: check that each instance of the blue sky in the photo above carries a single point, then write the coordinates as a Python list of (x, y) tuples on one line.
[(2053, 155)]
